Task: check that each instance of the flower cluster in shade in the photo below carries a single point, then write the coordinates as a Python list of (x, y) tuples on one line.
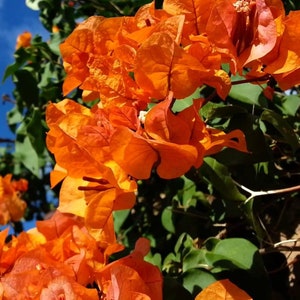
[(138, 67), (12, 207)]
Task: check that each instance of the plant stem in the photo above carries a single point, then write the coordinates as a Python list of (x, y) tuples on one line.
[(254, 194)]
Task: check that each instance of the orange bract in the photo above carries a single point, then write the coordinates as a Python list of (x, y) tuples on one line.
[(222, 290), (170, 143), (285, 66), (163, 66), (131, 277)]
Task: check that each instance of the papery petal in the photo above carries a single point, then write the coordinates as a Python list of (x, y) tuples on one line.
[(288, 58), (163, 66), (218, 140), (222, 290), (133, 153), (162, 123)]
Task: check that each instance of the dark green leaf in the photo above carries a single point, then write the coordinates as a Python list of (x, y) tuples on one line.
[(282, 126), (195, 280), (173, 290), (223, 111), (218, 175), (27, 87)]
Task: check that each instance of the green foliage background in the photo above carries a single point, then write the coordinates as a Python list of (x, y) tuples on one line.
[(203, 226)]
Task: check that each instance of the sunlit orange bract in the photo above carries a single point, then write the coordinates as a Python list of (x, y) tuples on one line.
[(222, 290)]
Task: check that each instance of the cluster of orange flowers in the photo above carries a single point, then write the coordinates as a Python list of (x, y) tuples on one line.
[(62, 259), (138, 66), (12, 207), (24, 40)]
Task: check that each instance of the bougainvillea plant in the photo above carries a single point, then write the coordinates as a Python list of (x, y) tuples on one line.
[(158, 126)]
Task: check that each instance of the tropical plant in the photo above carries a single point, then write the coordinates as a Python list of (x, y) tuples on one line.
[(169, 133)]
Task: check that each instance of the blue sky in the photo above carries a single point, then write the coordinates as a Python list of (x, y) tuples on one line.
[(15, 18)]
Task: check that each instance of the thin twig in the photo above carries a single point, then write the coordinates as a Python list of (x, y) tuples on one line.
[(6, 140), (254, 194), (258, 79)]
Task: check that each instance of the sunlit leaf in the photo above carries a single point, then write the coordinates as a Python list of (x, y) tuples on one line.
[(33, 4), (26, 154)]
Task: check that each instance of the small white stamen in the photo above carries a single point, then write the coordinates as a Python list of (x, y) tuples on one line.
[(242, 6), (142, 116)]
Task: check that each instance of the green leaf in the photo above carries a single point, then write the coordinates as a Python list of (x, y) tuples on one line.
[(246, 92), (218, 175), (282, 126), (193, 259), (234, 253), (195, 280), (181, 104), (167, 219), (33, 4), (27, 87), (240, 261), (222, 112), (26, 154), (187, 193), (21, 57), (183, 242), (289, 104), (119, 218), (36, 132), (154, 259), (14, 117), (54, 43)]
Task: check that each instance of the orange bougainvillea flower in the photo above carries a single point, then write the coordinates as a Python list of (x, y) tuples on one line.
[(223, 290), (243, 30), (80, 140), (170, 143), (131, 277), (24, 40), (156, 145), (130, 60), (12, 207), (36, 274), (71, 242), (97, 61), (285, 66), (162, 66)]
